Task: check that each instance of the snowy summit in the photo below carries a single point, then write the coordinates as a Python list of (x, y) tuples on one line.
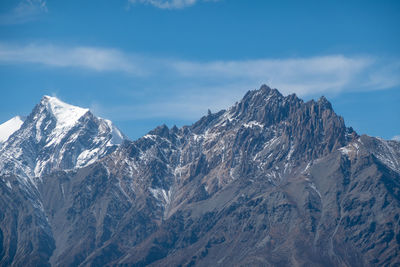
[(62, 136), (65, 114)]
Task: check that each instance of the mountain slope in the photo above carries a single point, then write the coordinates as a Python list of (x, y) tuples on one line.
[(272, 181), (26, 238), (340, 211)]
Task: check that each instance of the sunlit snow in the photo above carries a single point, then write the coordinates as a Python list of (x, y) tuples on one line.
[(10, 127)]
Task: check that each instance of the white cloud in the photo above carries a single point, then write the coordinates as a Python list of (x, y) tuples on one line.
[(25, 11), (396, 138), (170, 4), (333, 73), (98, 59)]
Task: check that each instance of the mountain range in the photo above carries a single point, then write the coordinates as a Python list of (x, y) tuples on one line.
[(271, 181)]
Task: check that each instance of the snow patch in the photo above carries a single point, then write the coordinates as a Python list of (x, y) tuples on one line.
[(345, 150), (312, 185), (350, 148), (149, 136), (8, 184), (161, 194), (289, 156), (87, 156), (306, 168), (116, 135), (9, 127), (251, 124)]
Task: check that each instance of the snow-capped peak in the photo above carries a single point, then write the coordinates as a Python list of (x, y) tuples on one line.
[(9, 127), (57, 136), (65, 114)]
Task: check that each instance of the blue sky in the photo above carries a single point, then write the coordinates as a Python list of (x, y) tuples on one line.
[(142, 63)]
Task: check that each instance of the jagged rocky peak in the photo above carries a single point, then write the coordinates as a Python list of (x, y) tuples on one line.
[(324, 103), (269, 107), (313, 126), (162, 131), (265, 105), (268, 92), (310, 128)]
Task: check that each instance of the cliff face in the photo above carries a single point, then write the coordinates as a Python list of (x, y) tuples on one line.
[(272, 181)]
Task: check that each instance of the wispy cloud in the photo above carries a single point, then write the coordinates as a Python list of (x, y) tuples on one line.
[(300, 75), (97, 59), (180, 102), (25, 11), (188, 88), (170, 4)]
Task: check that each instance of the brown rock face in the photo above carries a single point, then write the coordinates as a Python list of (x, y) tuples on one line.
[(272, 181)]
